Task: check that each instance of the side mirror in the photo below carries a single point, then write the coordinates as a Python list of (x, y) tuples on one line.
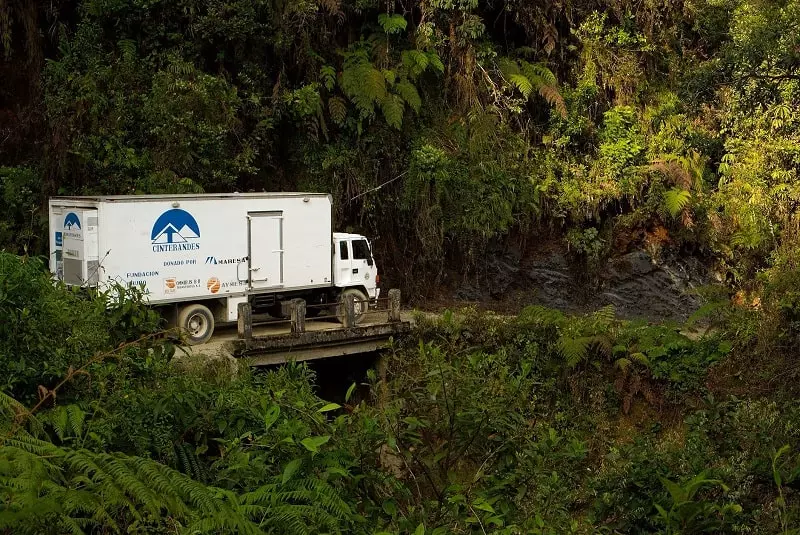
[(370, 262)]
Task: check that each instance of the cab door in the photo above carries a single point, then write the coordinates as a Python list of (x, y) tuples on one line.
[(362, 265), (344, 263)]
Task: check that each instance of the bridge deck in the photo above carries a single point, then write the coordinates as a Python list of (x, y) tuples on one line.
[(274, 343)]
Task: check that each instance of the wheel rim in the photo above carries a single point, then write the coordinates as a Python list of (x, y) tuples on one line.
[(197, 325)]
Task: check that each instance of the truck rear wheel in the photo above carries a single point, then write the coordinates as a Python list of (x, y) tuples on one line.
[(196, 322), (359, 306)]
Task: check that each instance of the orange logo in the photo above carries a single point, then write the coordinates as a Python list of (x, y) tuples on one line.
[(213, 285), (170, 285)]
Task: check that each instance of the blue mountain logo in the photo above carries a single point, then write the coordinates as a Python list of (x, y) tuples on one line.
[(175, 230), (72, 221)]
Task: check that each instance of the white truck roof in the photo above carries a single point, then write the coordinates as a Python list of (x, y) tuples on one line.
[(346, 236), (185, 196)]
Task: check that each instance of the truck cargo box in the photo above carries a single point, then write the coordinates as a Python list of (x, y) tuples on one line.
[(186, 247)]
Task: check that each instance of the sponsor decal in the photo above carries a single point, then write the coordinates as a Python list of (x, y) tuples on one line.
[(233, 284), (71, 223), (59, 239), (213, 285), (170, 285), (72, 220), (214, 260), (175, 230), (173, 284)]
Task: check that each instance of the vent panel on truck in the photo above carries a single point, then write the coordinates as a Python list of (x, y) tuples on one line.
[(79, 252)]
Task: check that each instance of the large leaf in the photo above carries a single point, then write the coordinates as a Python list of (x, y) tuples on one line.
[(313, 444)]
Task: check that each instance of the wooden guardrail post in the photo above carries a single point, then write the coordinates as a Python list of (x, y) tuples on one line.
[(349, 313), (394, 305), (245, 321), (298, 316)]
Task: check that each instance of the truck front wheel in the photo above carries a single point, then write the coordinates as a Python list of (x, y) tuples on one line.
[(196, 322), (360, 304)]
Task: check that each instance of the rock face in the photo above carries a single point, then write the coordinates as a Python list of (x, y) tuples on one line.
[(637, 286), (640, 288)]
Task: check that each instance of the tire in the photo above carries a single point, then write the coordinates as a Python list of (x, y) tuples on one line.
[(360, 305), (196, 323)]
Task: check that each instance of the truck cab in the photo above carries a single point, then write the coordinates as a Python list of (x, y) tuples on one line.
[(354, 266)]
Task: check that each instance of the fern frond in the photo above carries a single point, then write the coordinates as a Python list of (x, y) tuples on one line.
[(392, 107), (602, 345), (521, 82), (675, 200), (67, 421), (538, 73), (338, 110), (508, 67), (392, 24), (12, 411), (128, 49), (30, 444), (410, 95), (304, 504), (415, 61), (573, 350), (605, 315), (327, 75), (622, 363), (553, 97), (641, 358), (435, 61)]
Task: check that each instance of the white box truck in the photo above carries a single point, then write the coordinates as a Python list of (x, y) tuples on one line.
[(198, 256)]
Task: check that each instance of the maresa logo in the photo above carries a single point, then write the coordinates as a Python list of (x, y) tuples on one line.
[(175, 230), (72, 220)]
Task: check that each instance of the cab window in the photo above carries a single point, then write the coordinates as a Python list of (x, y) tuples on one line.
[(361, 251), (344, 254)]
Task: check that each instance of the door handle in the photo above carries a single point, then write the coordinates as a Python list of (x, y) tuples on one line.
[(355, 270), (255, 269)]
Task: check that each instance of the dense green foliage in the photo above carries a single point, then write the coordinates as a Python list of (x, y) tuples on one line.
[(440, 127), (663, 124), (541, 423)]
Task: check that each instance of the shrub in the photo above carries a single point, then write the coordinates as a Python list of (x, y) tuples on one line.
[(47, 328)]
